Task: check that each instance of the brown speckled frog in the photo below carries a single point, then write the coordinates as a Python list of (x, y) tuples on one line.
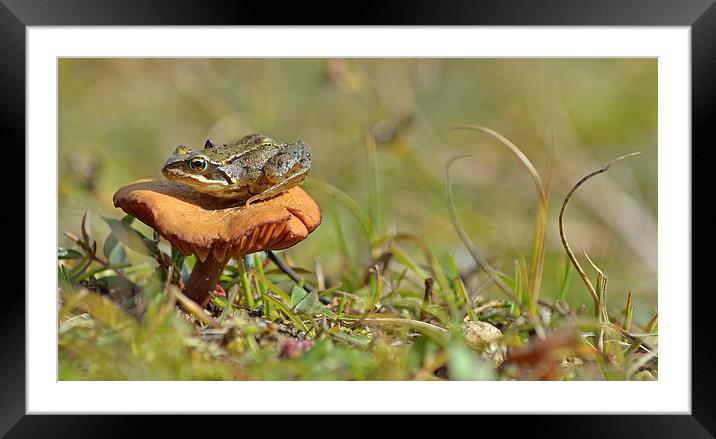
[(253, 168)]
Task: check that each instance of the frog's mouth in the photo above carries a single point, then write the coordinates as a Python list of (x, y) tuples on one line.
[(196, 180), (215, 185)]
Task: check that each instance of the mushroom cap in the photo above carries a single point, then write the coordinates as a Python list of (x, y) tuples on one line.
[(197, 223)]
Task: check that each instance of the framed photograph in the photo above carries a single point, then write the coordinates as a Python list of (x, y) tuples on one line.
[(481, 209)]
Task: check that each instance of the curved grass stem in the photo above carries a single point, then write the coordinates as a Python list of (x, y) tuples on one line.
[(563, 235), (471, 247), (534, 282)]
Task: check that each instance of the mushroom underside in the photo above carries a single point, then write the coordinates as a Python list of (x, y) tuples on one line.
[(215, 230)]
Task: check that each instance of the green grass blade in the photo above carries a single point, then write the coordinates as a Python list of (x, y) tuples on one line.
[(348, 202), (406, 260), (347, 254), (628, 313), (417, 304), (566, 280), (435, 332), (260, 286), (90, 273), (245, 284), (285, 309), (377, 292), (233, 292), (273, 287), (373, 173)]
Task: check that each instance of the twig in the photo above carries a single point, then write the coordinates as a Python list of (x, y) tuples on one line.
[(84, 246), (293, 275), (428, 295)]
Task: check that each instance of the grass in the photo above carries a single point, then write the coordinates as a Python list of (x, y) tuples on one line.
[(394, 310)]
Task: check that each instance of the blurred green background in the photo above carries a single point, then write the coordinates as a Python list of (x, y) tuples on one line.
[(120, 118)]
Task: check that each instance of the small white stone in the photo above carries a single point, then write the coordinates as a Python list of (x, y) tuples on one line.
[(484, 338)]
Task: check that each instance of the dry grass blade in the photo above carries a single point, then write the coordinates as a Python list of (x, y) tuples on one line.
[(628, 313), (168, 281), (584, 252), (103, 310), (600, 308), (537, 265), (230, 299), (471, 247), (192, 308), (639, 339), (377, 292), (641, 361), (652, 323), (562, 234), (520, 155), (539, 245), (433, 331)]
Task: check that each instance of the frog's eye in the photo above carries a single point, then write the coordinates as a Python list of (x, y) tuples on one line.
[(197, 164)]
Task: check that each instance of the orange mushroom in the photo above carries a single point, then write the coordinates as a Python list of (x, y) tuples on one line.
[(215, 229)]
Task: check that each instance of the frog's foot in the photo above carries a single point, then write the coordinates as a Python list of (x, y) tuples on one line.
[(271, 192), (256, 197), (278, 188)]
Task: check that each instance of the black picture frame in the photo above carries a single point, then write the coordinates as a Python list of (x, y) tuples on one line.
[(699, 15)]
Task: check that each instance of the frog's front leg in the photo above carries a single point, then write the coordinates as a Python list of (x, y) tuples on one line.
[(282, 172), (278, 187)]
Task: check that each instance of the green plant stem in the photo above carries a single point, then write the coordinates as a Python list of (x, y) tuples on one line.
[(260, 287), (245, 285)]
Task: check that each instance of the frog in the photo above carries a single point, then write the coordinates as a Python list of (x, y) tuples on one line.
[(251, 169)]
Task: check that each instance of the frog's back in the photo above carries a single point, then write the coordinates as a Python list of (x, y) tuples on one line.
[(251, 150)]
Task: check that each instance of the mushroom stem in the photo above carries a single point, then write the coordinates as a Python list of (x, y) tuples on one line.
[(203, 278)]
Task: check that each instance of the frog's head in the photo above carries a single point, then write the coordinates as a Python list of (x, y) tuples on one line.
[(195, 168)]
